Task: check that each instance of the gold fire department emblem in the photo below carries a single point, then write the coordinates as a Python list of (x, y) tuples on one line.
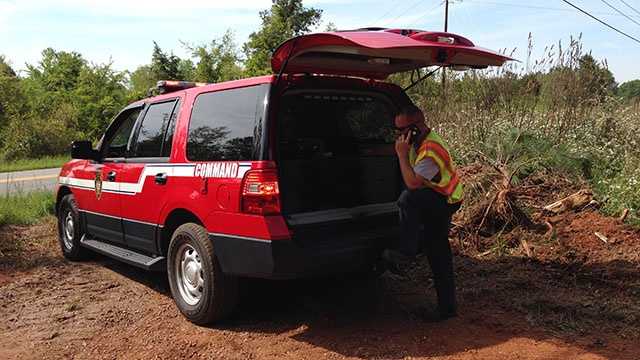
[(98, 185)]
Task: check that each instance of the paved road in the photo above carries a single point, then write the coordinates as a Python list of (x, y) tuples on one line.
[(30, 180)]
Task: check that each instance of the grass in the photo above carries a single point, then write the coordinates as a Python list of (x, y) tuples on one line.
[(26, 208), (33, 164)]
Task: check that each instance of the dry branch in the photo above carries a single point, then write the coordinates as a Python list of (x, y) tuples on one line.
[(526, 247), (579, 199), (624, 215), (601, 237)]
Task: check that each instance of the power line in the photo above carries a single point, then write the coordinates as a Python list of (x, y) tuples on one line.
[(602, 22), (534, 7), (415, 22), (619, 12), (393, 7), (630, 7), (414, 5)]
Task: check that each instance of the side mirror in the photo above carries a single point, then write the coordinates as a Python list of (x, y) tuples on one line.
[(82, 150)]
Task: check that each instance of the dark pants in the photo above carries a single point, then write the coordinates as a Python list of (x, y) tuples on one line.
[(425, 219)]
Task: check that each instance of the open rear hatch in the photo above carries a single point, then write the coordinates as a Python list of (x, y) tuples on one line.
[(339, 177), (338, 171), (378, 54)]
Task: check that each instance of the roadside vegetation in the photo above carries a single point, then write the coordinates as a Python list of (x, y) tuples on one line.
[(45, 162), (25, 208), (562, 117)]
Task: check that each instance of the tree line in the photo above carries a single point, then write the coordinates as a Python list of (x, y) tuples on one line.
[(65, 97)]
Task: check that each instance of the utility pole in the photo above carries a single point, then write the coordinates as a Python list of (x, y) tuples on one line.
[(446, 28), (446, 15)]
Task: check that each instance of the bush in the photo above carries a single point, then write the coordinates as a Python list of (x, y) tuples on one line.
[(34, 137)]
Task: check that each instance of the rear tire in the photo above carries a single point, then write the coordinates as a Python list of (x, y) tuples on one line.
[(69, 230), (202, 292)]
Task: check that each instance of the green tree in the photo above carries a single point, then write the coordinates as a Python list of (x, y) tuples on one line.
[(596, 79), (5, 68), (186, 69), (58, 71), (13, 102), (629, 90), (140, 81), (330, 27), (100, 94), (61, 98), (217, 61), (285, 19), (165, 66)]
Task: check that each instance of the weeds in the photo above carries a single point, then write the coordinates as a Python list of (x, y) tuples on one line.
[(33, 164), (558, 114), (25, 208)]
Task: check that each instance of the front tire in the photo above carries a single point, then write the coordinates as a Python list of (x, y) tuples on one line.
[(69, 229), (200, 289)]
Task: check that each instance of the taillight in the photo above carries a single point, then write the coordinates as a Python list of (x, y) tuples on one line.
[(260, 193)]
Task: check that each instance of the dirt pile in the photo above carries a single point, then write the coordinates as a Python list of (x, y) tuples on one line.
[(503, 213)]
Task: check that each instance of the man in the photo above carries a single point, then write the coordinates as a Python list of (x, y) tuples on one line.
[(433, 194)]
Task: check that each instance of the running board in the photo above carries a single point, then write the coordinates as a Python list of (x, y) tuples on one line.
[(125, 255)]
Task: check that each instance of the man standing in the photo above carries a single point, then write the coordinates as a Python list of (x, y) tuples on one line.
[(433, 194)]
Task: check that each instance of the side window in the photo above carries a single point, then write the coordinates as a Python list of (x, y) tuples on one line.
[(223, 124), (151, 134), (116, 143), (168, 137)]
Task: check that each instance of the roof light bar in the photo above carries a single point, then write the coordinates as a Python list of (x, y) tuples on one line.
[(167, 86)]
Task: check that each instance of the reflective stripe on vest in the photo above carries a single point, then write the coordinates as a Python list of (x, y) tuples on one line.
[(434, 148)]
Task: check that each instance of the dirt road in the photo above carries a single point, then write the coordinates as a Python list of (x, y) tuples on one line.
[(510, 309)]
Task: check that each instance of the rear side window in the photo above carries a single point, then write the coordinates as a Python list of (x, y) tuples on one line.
[(151, 135), (225, 125)]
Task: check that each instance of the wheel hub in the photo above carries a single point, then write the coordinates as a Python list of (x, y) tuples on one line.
[(192, 273), (189, 274), (68, 231)]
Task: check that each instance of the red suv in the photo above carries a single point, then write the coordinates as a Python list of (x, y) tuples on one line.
[(277, 176)]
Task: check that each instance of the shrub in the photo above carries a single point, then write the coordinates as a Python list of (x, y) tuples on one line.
[(34, 137)]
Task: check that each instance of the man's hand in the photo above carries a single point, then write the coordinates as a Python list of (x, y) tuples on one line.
[(402, 145)]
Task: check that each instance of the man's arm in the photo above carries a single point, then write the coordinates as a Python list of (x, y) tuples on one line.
[(411, 179)]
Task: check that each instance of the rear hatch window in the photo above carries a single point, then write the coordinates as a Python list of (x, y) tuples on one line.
[(336, 151)]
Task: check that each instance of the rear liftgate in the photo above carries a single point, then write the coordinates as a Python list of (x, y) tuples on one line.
[(378, 54)]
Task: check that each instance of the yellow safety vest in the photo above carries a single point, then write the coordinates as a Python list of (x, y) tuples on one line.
[(436, 149)]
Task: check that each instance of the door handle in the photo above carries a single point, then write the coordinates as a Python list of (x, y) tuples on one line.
[(111, 176), (161, 178)]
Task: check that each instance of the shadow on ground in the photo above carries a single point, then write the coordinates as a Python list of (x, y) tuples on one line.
[(596, 308)]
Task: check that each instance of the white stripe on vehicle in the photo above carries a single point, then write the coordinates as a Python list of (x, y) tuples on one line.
[(228, 170)]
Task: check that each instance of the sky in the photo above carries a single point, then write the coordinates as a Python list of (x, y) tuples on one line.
[(122, 31)]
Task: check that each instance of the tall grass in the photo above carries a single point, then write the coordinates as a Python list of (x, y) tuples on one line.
[(33, 164), (25, 208), (559, 113)]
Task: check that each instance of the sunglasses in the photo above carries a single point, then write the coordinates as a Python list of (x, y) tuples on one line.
[(404, 128)]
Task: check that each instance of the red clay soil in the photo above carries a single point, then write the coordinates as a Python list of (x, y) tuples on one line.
[(622, 241), (510, 308)]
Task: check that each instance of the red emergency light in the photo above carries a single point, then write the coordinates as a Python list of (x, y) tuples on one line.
[(167, 86)]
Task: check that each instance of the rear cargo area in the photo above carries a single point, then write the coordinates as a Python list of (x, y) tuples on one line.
[(338, 173)]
